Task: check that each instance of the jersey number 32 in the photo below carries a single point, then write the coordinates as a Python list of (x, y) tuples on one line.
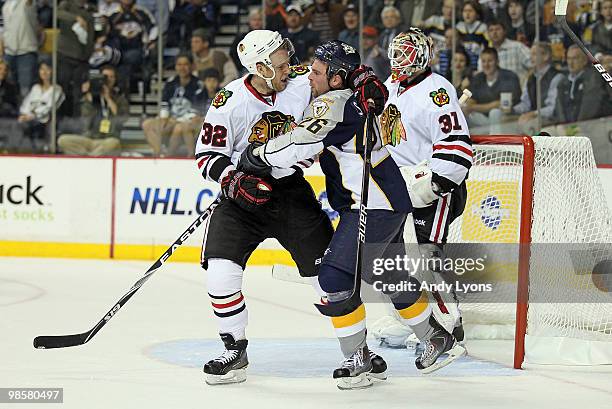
[(215, 136)]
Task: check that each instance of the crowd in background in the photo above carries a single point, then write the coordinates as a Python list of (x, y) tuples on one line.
[(107, 51)]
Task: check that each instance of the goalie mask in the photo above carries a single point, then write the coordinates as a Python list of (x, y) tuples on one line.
[(409, 52), (257, 46)]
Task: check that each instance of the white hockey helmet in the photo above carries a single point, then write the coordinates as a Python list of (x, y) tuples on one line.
[(257, 46), (409, 52)]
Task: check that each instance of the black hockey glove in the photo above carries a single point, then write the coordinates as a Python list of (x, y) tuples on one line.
[(366, 85), (248, 191), (251, 163)]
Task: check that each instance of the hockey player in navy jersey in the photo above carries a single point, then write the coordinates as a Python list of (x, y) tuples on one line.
[(333, 126), (435, 154), (260, 106)]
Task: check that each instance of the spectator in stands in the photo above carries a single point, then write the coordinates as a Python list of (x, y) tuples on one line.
[(494, 92), (75, 45), (325, 18), (494, 10), (435, 26), (206, 57), (211, 80), (9, 93), (474, 31), (182, 99), (350, 34), (104, 110), (391, 19), (551, 32), (374, 56), (35, 110), (107, 8), (599, 35), (152, 6), (443, 57), (202, 14), (519, 29), (275, 15), (44, 11), (541, 56), (513, 55), (132, 31), (304, 39), (582, 95), (460, 74), (20, 41), (413, 12)]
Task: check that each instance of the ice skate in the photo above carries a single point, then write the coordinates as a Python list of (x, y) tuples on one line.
[(379, 367), (441, 342), (231, 366), (354, 371)]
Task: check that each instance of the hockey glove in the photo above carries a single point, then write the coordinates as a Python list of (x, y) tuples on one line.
[(250, 162), (419, 184), (366, 85), (249, 192)]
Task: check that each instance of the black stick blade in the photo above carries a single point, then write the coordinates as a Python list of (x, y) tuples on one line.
[(342, 308), (59, 341)]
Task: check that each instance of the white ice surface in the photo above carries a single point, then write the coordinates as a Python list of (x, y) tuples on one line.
[(150, 355)]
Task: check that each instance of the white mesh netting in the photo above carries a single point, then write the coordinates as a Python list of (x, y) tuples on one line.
[(569, 206)]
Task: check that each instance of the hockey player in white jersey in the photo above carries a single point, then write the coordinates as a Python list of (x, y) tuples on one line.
[(267, 102), (333, 126), (423, 119)]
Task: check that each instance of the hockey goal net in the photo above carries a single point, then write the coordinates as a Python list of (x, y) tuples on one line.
[(531, 190)]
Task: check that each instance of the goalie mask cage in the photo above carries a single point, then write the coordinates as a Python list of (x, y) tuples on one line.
[(527, 190)]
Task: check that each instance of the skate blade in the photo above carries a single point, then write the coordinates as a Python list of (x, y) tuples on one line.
[(360, 381), (454, 353), (234, 376)]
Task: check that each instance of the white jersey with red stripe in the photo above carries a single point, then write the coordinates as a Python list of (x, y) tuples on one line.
[(239, 115), (427, 113)]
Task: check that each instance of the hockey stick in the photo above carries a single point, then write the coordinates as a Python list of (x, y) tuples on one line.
[(560, 12), (63, 341), (350, 304)]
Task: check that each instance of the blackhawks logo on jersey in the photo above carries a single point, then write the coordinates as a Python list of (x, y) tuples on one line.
[(271, 125), (221, 98), (298, 70), (440, 97), (391, 126)]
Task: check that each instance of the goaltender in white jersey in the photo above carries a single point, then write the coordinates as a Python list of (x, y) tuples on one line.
[(424, 120)]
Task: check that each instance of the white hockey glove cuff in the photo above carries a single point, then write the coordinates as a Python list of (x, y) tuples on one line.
[(419, 184)]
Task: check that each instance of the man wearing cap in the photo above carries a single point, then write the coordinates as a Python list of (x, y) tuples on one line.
[(374, 56), (304, 39)]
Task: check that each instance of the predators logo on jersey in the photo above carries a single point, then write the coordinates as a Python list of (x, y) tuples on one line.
[(440, 97), (271, 125), (221, 98), (391, 126), (298, 70)]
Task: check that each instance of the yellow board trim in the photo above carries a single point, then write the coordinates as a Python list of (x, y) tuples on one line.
[(127, 252), (349, 319), (415, 309)]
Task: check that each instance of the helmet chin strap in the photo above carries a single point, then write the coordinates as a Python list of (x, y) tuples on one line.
[(269, 80)]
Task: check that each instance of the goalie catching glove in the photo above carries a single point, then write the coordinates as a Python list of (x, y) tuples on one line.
[(422, 189), (366, 86), (248, 191)]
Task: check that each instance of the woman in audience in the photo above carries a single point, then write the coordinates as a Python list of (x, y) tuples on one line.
[(35, 111)]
